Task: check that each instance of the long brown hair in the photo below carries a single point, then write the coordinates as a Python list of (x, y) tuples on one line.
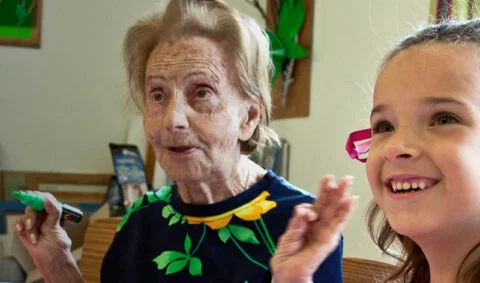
[(413, 265)]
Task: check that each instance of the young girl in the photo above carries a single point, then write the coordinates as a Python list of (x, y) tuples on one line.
[(424, 157)]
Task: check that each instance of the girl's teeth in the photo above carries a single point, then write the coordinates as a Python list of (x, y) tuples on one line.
[(404, 186), (399, 186)]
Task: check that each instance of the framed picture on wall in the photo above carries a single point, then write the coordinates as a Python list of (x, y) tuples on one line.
[(20, 22), (130, 171)]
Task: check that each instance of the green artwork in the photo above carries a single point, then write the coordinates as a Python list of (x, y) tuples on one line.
[(284, 42), (289, 17), (17, 18)]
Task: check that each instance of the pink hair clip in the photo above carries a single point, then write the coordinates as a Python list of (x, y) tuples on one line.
[(358, 144)]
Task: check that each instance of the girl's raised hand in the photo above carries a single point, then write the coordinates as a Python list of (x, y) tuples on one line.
[(313, 232)]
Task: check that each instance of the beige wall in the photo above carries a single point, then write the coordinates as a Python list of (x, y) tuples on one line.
[(60, 105)]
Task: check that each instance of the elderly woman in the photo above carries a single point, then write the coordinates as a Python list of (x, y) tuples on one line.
[(200, 73)]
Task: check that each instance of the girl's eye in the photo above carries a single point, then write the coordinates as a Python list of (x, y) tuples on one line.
[(444, 118), (382, 127), (157, 95)]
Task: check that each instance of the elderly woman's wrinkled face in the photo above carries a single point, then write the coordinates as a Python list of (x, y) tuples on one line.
[(194, 113)]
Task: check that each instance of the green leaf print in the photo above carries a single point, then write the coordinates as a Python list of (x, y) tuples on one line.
[(263, 231), (163, 194), (177, 261), (243, 234), (224, 234), (195, 266), (188, 244), (135, 207), (151, 197), (201, 239), (167, 257), (237, 244), (124, 220), (175, 218), (167, 211), (176, 266)]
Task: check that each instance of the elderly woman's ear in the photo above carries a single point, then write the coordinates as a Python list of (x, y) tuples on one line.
[(251, 120)]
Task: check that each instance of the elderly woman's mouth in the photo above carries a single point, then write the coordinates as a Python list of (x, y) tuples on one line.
[(182, 149)]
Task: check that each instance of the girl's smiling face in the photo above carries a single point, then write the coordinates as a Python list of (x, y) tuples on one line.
[(424, 160)]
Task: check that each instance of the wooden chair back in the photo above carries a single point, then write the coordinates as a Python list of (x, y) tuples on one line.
[(359, 270), (97, 240)]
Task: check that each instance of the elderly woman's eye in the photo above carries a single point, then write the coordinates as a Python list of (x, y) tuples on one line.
[(157, 95), (202, 92)]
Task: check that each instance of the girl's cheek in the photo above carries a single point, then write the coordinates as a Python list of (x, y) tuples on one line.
[(372, 168)]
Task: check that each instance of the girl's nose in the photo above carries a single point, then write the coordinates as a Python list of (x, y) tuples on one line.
[(401, 146)]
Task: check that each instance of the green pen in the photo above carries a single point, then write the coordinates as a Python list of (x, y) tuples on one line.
[(37, 202)]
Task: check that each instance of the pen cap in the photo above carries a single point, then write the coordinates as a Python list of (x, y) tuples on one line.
[(35, 201)]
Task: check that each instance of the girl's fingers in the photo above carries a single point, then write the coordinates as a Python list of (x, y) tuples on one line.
[(326, 185), (335, 226), (346, 209), (296, 228), (331, 195), (345, 185), (306, 211), (293, 239)]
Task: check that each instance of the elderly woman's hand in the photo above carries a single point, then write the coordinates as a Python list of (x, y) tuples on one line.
[(47, 242), (313, 232)]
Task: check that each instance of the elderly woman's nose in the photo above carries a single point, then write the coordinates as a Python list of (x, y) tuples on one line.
[(176, 115)]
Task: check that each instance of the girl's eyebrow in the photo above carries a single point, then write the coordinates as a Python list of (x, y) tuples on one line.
[(429, 100), (377, 109), (438, 100)]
